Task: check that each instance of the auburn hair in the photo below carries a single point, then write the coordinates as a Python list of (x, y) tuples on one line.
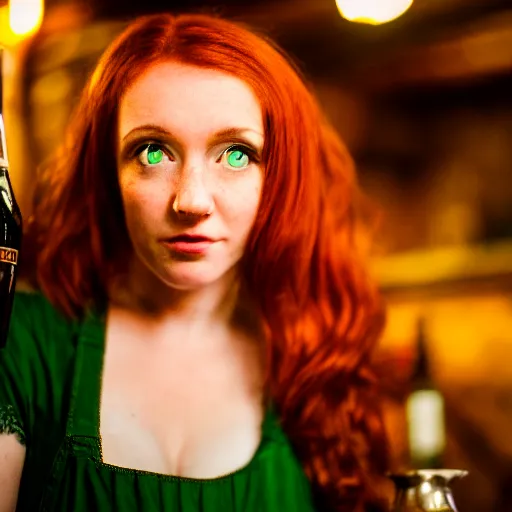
[(321, 313)]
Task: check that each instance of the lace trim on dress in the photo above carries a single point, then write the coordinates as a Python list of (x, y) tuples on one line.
[(9, 423)]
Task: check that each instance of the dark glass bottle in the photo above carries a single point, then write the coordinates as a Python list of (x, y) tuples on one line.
[(10, 241), (425, 411)]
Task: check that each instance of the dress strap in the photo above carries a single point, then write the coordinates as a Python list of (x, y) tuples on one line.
[(84, 414)]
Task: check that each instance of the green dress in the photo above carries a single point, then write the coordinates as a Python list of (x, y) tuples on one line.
[(50, 379)]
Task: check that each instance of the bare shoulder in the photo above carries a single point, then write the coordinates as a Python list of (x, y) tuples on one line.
[(12, 457)]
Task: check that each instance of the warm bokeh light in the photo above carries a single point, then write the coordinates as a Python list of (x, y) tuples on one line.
[(373, 12), (20, 19), (25, 16)]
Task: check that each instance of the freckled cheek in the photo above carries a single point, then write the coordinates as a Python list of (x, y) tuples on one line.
[(242, 206), (144, 206)]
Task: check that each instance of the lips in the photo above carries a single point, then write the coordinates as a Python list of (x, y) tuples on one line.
[(189, 244), (189, 239)]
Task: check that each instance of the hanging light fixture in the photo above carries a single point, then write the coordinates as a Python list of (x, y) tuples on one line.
[(19, 20), (25, 16), (374, 12)]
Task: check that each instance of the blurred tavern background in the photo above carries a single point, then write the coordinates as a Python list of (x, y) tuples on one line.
[(424, 104)]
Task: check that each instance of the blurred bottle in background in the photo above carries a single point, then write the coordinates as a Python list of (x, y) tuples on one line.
[(425, 411)]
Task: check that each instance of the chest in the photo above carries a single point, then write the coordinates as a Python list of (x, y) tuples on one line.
[(193, 411)]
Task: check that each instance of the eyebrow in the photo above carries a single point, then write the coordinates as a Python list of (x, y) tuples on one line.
[(227, 133)]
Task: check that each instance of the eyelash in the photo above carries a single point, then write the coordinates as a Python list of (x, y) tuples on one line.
[(250, 152)]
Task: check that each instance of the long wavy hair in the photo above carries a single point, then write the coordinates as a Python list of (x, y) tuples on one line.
[(321, 313)]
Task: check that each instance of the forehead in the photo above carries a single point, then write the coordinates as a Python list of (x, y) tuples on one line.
[(190, 99)]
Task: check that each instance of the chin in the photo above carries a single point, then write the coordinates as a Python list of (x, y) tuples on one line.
[(189, 275), (190, 281), (187, 284)]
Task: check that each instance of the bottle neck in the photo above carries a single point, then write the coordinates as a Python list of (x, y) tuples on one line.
[(6, 195), (421, 377)]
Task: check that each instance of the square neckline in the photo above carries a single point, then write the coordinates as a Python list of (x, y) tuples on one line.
[(85, 413)]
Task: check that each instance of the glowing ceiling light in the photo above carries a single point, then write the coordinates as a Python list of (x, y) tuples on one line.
[(373, 12), (25, 16)]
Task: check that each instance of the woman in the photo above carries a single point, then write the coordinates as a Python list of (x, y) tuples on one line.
[(203, 328)]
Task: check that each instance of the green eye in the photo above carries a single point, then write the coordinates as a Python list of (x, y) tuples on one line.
[(237, 158), (154, 154)]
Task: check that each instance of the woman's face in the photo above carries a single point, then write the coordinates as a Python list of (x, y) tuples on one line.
[(189, 165)]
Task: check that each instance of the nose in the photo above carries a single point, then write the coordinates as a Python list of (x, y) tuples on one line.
[(192, 196)]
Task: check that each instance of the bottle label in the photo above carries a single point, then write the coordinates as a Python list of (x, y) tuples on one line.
[(425, 412), (8, 255)]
